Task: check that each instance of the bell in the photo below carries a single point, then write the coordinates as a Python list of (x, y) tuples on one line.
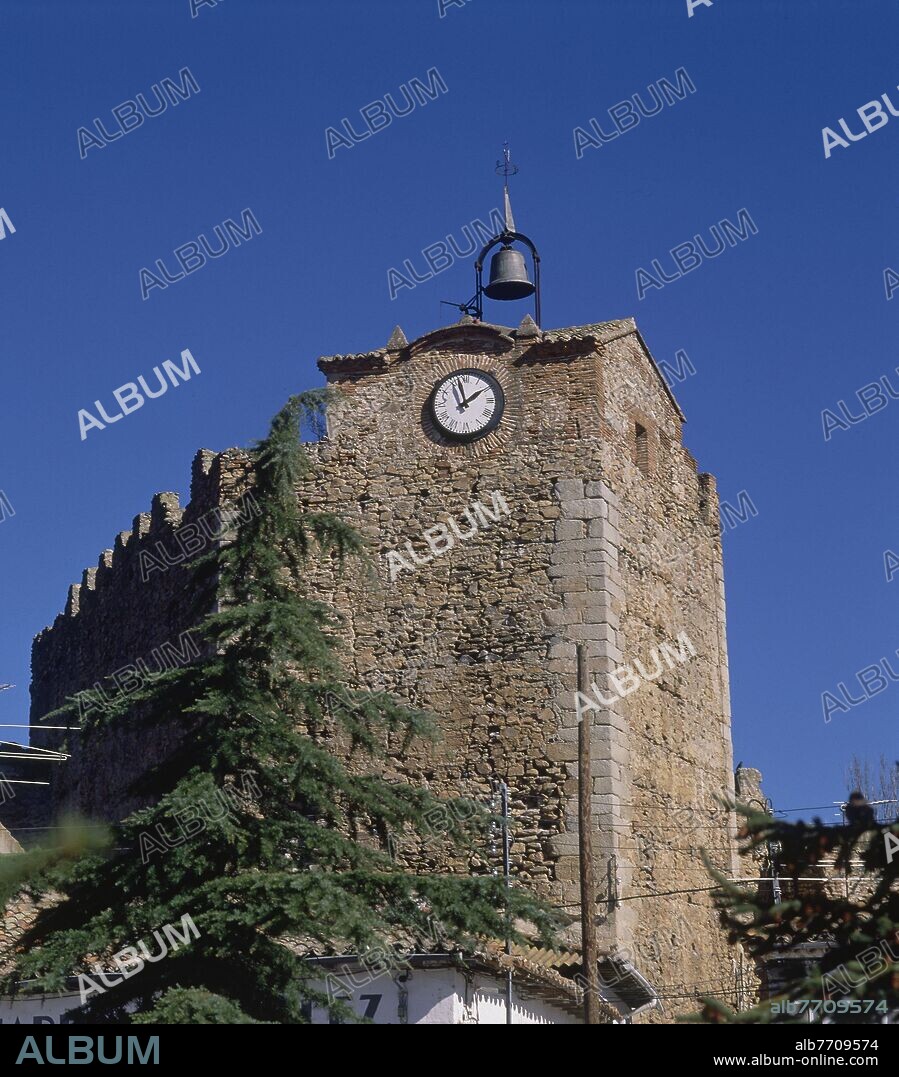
[(508, 275)]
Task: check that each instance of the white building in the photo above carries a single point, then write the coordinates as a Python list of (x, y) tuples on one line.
[(431, 989)]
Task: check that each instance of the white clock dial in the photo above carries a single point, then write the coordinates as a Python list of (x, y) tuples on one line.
[(467, 404)]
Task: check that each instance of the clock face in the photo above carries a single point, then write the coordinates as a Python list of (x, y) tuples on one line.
[(467, 404)]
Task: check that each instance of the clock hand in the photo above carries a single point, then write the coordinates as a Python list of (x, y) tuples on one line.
[(464, 402), (460, 396), (474, 396)]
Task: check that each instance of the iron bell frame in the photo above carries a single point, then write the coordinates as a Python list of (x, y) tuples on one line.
[(506, 237)]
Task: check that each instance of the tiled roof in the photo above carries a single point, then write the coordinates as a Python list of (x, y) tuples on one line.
[(599, 330)]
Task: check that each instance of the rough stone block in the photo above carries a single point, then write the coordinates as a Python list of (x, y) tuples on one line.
[(568, 489), (570, 529), (584, 509)]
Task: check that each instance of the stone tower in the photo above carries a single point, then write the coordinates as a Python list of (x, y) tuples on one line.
[(605, 534), (574, 515)]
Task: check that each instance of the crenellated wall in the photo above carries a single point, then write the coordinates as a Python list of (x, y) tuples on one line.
[(123, 617)]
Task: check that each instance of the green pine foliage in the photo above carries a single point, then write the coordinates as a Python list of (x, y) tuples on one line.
[(300, 860), (74, 839), (857, 979)]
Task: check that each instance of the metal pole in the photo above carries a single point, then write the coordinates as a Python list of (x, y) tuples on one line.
[(848, 857), (773, 850), (585, 828), (504, 794), (27, 725), (35, 758)]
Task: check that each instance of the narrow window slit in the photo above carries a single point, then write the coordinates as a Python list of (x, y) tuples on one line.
[(641, 448)]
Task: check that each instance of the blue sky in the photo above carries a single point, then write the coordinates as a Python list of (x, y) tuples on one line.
[(778, 328)]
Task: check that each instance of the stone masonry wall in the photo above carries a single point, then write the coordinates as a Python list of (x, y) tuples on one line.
[(669, 582), (603, 532)]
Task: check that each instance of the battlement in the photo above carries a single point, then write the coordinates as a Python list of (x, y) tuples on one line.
[(136, 597), (138, 600), (211, 478)]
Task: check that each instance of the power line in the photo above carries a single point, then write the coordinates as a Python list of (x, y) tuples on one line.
[(671, 893), (654, 893), (48, 755), (670, 807), (536, 797)]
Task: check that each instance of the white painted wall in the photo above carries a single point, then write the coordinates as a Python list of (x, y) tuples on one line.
[(487, 996), (440, 996)]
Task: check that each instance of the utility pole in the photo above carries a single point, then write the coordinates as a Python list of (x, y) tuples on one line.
[(504, 795), (585, 842), (773, 851), (843, 806)]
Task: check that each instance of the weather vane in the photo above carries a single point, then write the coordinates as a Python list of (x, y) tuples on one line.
[(505, 166)]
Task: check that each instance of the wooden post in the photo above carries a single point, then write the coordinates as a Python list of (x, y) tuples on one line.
[(585, 842)]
